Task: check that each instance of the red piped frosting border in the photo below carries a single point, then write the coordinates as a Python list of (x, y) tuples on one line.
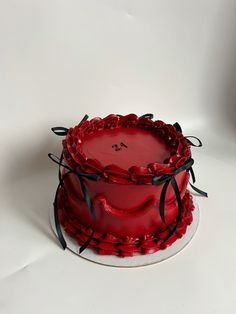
[(107, 244), (179, 149)]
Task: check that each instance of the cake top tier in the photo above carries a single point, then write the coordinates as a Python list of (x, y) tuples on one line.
[(126, 149)]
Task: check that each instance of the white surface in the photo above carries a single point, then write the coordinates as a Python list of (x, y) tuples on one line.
[(62, 59), (132, 261)]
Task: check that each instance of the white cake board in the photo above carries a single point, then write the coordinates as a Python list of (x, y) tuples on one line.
[(133, 261)]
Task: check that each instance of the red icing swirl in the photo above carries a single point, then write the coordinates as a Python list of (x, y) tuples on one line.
[(179, 149)]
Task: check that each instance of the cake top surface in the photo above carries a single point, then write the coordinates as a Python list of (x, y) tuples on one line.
[(126, 149)]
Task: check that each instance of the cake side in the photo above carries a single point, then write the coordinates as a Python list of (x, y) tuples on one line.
[(122, 209), (108, 244)]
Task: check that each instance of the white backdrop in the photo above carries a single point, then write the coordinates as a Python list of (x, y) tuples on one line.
[(62, 59)]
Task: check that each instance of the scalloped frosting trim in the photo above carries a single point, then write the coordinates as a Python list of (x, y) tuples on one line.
[(107, 244), (179, 149)]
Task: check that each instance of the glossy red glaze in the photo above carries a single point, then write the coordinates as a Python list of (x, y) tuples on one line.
[(125, 147), (123, 210), (108, 244)]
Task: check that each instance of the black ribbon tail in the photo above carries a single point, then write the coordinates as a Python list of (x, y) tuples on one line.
[(80, 175), (194, 187), (86, 243), (59, 130), (192, 174), (198, 190), (177, 127), (84, 118), (162, 201), (92, 211), (179, 202), (59, 161), (162, 205), (56, 219), (167, 179), (147, 116), (199, 142), (62, 131), (59, 169)]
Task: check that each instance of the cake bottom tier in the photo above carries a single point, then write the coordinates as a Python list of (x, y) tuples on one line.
[(108, 244)]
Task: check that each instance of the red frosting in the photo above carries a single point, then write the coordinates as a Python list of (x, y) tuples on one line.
[(108, 244), (127, 152)]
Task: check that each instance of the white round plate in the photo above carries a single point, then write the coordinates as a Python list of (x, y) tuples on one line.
[(133, 261)]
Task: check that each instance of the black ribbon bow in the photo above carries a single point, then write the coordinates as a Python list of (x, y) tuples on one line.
[(80, 175), (62, 131), (170, 179)]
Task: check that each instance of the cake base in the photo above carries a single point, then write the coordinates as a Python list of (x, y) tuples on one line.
[(133, 261)]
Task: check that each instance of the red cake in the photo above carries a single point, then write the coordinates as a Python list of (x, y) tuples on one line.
[(123, 185)]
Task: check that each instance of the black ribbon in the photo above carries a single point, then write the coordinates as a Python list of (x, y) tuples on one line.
[(84, 118), (80, 175), (62, 131), (199, 143), (59, 130), (177, 127), (146, 116), (170, 179)]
